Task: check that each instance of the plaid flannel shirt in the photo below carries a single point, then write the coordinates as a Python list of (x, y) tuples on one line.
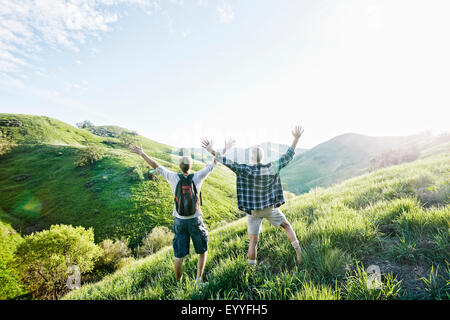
[(258, 186)]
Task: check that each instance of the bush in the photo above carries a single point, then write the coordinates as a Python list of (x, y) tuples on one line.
[(86, 124), (89, 155), (114, 256), (113, 253), (5, 144), (45, 258), (158, 238), (127, 137)]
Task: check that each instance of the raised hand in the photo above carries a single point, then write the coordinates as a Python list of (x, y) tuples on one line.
[(297, 132), (228, 145), (135, 149), (208, 145)]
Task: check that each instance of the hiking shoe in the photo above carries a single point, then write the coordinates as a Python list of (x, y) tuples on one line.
[(200, 284)]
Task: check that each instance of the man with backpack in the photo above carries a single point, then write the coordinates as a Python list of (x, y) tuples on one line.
[(259, 191), (188, 222)]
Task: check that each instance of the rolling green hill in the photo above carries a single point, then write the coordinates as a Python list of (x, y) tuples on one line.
[(117, 196), (346, 156), (396, 218)]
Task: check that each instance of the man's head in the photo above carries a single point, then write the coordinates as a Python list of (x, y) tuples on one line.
[(185, 164), (256, 155)]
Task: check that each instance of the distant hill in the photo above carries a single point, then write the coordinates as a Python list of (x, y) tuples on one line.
[(117, 196), (343, 157), (272, 152)]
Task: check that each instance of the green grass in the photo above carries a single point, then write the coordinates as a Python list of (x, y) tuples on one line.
[(114, 196), (10, 285), (396, 218)]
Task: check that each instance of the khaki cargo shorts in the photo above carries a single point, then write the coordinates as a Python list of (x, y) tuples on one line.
[(274, 215)]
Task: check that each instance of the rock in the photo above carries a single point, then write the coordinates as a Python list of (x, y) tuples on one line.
[(59, 154), (10, 123)]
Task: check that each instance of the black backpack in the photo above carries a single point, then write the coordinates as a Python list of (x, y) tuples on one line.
[(186, 196)]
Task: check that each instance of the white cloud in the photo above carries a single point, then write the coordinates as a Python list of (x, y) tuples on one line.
[(225, 12), (28, 26)]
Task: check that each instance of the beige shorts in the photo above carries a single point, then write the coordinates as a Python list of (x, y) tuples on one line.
[(274, 215)]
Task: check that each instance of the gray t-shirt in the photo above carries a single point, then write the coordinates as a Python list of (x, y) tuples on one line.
[(172, 178)]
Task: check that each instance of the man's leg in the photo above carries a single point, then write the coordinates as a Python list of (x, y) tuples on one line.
[(252, 249), (200, 239), (254, 229), (181, 242), (201, 264), (293, 239), (178, 268)]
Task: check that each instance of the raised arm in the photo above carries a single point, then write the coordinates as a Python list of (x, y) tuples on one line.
[(297, 133), (208, 145), (289, 155), (141, 152), (219, 156)]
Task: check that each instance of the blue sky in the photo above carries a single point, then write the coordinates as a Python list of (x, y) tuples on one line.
[(178, 71)]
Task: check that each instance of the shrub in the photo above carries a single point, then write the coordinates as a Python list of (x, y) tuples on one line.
[(10, 286), (44, 258), (113, 253), (86, 124), (89, 155), (127, 137), (158, 238), (5, 144)]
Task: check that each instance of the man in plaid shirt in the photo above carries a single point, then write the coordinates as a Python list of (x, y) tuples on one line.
[(259, 191)]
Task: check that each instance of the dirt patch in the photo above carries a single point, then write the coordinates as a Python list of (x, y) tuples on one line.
[(409, 274)]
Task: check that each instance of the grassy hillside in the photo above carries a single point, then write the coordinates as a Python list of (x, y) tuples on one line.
[(344, 157), (396, 218), (41, 186)]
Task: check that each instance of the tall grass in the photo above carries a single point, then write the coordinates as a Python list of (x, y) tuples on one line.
[(378, 218)]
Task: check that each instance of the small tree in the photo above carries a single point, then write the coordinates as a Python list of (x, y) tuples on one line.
[(86, 124), (127, 137), (89, 155), (158, 238), (45, 258)]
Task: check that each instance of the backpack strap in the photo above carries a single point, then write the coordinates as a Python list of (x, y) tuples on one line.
[(191, 176)]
